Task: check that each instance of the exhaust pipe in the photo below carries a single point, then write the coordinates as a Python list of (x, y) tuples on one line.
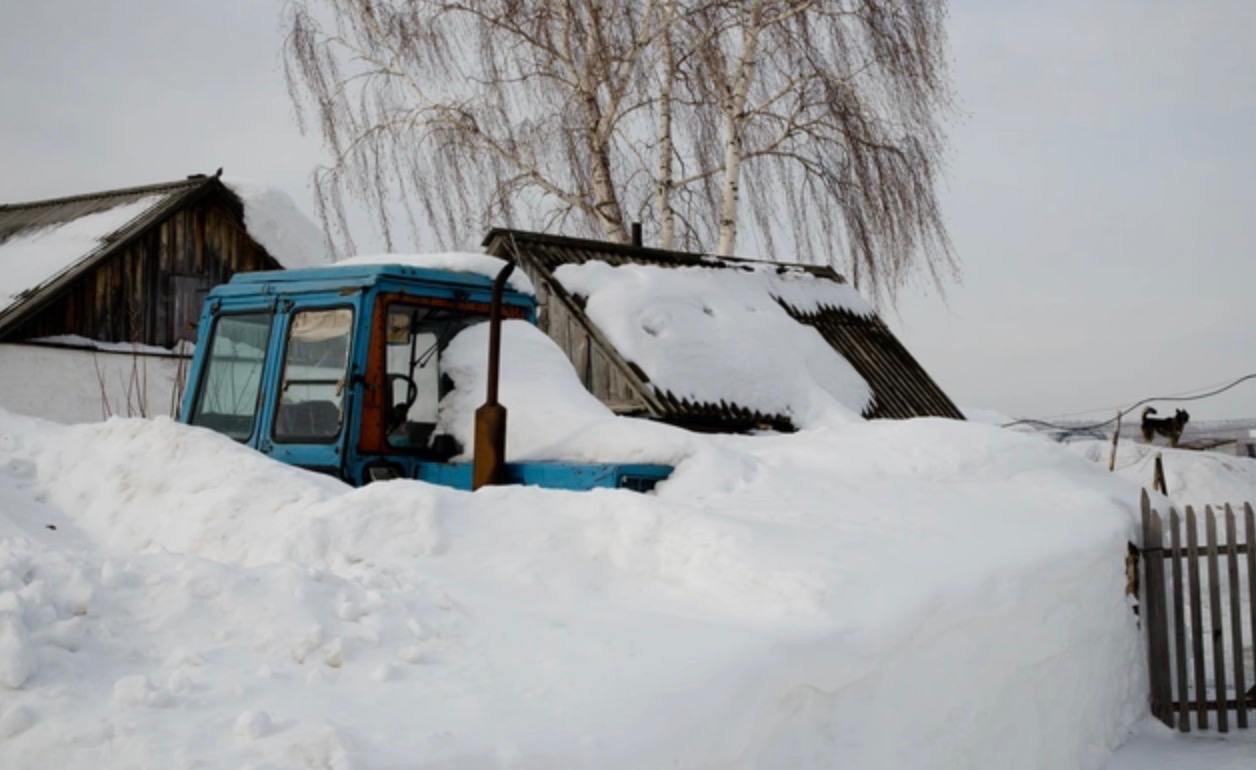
[(489, 457)]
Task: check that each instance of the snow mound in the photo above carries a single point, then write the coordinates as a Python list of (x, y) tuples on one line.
[(467, 262), (552, 416), (720, 335), (30, 259), (273, 220), (781, 601)]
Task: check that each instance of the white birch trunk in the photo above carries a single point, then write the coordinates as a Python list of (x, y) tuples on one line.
[(734, 120), (667, 215)]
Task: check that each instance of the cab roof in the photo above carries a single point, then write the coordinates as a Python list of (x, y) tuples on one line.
[(333, 277)]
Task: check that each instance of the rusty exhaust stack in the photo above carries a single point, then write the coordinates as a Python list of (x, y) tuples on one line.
[(489, 458)]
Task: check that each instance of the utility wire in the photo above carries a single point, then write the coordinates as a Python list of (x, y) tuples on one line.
[(1127, 410)]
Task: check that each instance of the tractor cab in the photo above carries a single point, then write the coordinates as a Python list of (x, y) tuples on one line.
[(338, 369)]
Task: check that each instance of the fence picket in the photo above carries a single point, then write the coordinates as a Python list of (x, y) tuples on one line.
[(1157, 611), (1179, 623), (1250, 522), (1197, 618), (1236, 616), (1218, 635)]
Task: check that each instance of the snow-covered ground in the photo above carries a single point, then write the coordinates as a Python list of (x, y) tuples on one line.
[(1155, 747), (925, 593), (1193, 477)]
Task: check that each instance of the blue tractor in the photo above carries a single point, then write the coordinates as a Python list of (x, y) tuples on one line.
[(338, 369)]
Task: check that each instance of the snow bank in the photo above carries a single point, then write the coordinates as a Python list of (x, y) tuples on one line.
[(720, 335), (551, 414), (453, 261), (927, 593), (31, 259), (274, 221), (1156, 747)]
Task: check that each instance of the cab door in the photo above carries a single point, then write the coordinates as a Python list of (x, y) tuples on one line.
[(311, 406)]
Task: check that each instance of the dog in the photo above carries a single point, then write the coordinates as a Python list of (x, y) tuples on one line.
[(1169, 427)]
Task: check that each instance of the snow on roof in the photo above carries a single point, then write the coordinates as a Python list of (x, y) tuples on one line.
[(274, 221), (42, 240), (31, 258), (720, 335), (451, 261)]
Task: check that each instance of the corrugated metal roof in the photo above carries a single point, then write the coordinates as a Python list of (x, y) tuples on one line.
[(900, 386), (17, 218)]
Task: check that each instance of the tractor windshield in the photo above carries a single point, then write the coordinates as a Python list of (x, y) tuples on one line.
[(227, 400)]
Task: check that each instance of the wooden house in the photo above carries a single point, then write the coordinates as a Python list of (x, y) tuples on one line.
[(899, 387), (127, 265)]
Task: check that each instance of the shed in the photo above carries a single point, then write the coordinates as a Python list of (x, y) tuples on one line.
[(609, 306), (133, 264)]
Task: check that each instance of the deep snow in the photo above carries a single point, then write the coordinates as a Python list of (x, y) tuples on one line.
[(925, 593)]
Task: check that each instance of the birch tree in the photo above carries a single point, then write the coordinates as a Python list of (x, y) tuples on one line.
[(812, 124)]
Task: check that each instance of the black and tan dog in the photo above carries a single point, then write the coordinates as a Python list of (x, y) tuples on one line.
[(1169, 427)]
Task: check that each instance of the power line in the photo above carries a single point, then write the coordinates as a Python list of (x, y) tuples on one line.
[(1130, 408)]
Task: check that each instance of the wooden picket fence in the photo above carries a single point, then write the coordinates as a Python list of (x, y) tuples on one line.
[(1174, 609)]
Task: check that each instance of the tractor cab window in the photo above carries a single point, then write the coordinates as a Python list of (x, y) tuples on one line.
[(311, 396), (415, 384), (228, 396)]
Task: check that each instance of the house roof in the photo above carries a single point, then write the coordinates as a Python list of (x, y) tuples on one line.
[(46, 244), (757, 346)]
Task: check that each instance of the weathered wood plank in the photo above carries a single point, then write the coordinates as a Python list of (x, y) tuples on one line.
[(1236, 615), (1218, 635), (1197, 619), (1249, 519), (1179, 625), (1156, 618)]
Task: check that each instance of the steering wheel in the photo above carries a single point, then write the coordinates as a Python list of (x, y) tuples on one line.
[(397, 412)]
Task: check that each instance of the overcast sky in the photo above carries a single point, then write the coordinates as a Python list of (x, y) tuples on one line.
[(1099, 190)]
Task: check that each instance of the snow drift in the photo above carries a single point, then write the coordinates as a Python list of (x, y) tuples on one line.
[(877, 595)]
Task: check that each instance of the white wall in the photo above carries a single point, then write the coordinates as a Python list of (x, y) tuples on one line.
[(76, 385)]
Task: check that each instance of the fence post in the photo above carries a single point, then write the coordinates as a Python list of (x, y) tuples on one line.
[(1116, 438), (1157, 479), (1157, 614)]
